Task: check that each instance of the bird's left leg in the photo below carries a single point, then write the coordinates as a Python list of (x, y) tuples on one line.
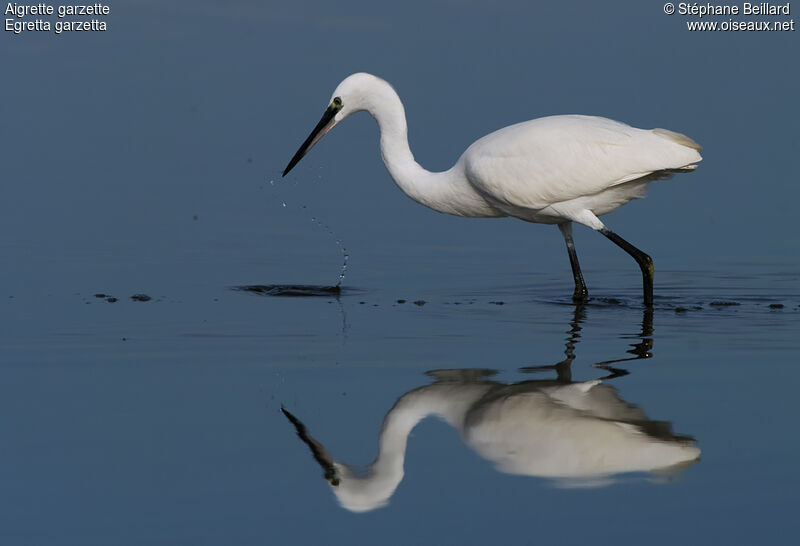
[(581, 293), (645, 263)]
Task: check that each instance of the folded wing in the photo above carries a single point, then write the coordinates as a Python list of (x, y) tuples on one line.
[(554, 159)]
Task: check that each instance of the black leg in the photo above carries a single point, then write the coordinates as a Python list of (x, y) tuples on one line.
[(645, 263), (580, 293)]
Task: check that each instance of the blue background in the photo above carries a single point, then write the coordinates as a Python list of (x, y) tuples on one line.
[(147, 159)]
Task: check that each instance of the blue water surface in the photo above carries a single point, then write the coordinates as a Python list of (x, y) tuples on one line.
[(146, 160)]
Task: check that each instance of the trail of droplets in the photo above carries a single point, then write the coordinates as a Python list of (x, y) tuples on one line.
[(342, 249), (329, 231)]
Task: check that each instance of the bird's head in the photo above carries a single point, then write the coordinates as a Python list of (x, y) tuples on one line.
[(352, 95), (357, 492)]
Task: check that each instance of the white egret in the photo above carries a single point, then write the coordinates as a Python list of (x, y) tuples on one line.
[(551, 170), (573, 434)]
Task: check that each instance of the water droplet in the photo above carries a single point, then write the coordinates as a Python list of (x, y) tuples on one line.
[(342, 249), (283, 203)]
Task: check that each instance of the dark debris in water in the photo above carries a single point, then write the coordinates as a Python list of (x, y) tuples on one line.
[(609, 301), (141, 297), (681, 309), (776, 306), (420, 303), (292, 290), (721, 303)]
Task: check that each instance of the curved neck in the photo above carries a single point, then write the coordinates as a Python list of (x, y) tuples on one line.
[(449, 401), (448, 191), (416, 181)]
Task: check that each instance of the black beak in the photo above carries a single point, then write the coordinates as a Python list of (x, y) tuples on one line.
[(319, 131), (317, 450)]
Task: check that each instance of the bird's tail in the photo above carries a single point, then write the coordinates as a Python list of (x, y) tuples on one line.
[(678, 138)]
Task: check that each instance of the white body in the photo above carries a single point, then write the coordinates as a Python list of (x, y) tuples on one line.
[(577, 434), (548, 170), (553, 170)]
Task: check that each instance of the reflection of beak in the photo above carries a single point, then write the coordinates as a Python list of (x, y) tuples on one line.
[(324, 125), (317, 450)]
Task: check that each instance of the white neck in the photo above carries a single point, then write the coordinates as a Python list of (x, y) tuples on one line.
[(384, 475), (449, 192)]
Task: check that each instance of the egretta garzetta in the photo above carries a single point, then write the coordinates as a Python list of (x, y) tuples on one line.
[(551, 170), (573, 434)]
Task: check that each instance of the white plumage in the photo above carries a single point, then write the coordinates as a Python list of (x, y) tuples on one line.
[(575, 434), (552, 170)]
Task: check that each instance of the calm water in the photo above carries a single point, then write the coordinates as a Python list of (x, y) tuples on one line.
[(146, 160)]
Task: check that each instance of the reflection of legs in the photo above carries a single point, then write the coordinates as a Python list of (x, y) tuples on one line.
[(581, 293), (639, 351), (564, 368), (645, 263)]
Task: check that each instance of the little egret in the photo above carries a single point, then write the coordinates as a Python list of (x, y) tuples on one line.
[(551, 170), (573, 434)]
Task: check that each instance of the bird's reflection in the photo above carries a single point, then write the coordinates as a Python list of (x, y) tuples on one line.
[(577, 434)]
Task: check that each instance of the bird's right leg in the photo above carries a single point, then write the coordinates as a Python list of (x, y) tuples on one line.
[(645, 263), (581, 293)]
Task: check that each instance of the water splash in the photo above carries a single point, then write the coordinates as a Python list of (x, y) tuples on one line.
[(329, 231), (339, 243), (344, 263), (291, 290)]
